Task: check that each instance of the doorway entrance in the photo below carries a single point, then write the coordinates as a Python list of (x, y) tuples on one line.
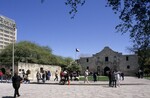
[(106, 69)]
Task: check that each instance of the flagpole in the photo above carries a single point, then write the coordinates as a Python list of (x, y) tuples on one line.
[(77, 50), (75, 54)]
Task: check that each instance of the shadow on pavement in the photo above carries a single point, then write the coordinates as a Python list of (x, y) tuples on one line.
[(87, 84), (7, 97)]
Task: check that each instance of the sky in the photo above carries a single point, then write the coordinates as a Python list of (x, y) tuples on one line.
[(50, 24)]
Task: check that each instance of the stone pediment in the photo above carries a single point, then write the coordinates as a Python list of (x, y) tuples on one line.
[(107, 51)]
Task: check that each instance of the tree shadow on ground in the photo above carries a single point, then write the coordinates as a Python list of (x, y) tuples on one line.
[(88, 84), (7, 97)]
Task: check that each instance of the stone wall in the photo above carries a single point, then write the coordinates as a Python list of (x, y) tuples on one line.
[(116, 61), (36, 67)]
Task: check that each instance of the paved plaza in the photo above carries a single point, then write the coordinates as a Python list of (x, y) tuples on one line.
[(131, 87)]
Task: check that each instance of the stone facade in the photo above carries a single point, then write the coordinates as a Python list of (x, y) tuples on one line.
[(36, 67), (33, 69), (108, 59)]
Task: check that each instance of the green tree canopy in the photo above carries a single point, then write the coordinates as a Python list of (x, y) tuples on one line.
[(29, 52), (74, 66)]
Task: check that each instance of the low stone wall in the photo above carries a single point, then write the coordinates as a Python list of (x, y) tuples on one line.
[(36, 67)]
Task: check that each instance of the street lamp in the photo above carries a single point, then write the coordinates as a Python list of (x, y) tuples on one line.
[(13, 58)]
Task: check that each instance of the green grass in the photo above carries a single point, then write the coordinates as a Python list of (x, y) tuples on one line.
[(147, 78), (99, 78)]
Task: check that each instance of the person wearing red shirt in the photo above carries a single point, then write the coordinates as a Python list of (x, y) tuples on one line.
[(1, 76)]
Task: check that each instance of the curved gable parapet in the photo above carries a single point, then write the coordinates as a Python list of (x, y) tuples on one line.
[(107, 51)]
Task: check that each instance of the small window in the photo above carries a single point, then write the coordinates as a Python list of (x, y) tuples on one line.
[(127, 58), (87, 60), (128, 67), (106, 59)]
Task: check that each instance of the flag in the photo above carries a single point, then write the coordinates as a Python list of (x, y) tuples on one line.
[(77, 50)]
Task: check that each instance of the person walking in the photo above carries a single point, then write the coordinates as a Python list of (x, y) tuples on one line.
[(16, 80)]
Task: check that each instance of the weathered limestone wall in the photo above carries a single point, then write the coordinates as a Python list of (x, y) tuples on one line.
[(116, 61), (36, 67)]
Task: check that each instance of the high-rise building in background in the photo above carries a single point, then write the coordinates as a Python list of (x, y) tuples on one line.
[(8, 31)]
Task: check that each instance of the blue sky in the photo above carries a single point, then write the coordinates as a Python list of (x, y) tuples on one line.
[(49, 24)]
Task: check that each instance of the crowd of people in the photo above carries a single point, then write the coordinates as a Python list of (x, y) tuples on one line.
[(6, 77), (65, 77), (114, 78), (140, 74), (43, 76)]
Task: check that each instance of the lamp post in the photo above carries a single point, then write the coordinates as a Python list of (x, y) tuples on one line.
[(13, 59)]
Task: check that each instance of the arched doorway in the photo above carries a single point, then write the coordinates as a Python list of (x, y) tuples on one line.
[(105, 70)]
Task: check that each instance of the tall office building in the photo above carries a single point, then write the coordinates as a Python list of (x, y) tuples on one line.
[(8, 31)]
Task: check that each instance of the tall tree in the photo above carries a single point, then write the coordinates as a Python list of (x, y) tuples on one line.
[(29, 52), (135, 16)]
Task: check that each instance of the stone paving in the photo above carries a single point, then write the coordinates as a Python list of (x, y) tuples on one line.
[(131, 87)]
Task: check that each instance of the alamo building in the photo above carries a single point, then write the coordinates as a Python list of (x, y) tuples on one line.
[(107, 59)]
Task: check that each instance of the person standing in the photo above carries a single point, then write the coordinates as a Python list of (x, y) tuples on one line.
[(16, 80), (1, 76), (43, 76), (122, 76), (114, 78), (118, 78), (56, 75), (38, 76), (95, 76), (86, 73), (110, 78), (49, 75)]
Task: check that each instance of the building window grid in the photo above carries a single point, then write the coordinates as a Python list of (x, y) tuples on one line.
[(1, 46), (6, 39), (1, 42), (10, 28), (7, 31), (1, 34), (1, 38), (6, 43), (6, 35), (1, 30)]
